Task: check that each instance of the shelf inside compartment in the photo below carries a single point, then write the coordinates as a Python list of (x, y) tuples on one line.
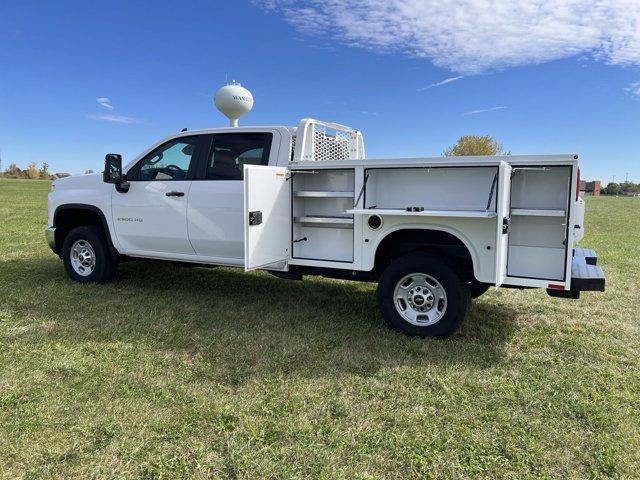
[(330, 221), (321, 194), (538, 212), (424, 213), (322, 231)]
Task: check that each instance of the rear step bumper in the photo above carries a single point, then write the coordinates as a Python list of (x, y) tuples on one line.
[(586, 275), (590, 256)]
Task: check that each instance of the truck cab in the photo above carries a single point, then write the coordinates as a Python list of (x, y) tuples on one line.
[(433, 232), (182, 199)]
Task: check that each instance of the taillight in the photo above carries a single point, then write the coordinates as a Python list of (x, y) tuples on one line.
[(578, 187)]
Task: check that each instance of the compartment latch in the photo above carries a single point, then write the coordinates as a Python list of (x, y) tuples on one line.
[(255, 218), (505, 225)]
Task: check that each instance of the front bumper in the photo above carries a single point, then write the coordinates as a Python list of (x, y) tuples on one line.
[(50, 235)]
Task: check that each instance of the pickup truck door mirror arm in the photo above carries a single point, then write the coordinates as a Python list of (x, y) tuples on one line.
[(123, 186)]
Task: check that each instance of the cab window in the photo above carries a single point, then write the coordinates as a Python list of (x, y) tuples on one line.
[(171, 161), (230, 152)]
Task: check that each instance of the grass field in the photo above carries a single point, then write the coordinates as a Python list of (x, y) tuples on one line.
[(177, 372)]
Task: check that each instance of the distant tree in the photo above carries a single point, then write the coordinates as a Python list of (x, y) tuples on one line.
[(13, 171), (613, 188), (44, 172), (32, 171), (629, 187), (475, 145), (88, 172)]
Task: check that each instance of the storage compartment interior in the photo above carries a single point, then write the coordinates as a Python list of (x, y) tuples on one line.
[(538, 230), (441, 188), (321, 228)]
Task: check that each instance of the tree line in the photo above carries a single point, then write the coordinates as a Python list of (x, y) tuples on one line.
[(624, 188), (33, 172)]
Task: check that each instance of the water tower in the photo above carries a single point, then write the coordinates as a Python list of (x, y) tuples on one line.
[(233, 101)]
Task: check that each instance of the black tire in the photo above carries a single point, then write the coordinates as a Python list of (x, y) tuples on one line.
[(455, 287), (104, 268), (477, 289)]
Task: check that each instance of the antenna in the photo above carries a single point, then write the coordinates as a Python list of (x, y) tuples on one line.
[(234, 101)]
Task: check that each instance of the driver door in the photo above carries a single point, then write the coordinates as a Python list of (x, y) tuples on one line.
[(151, 218)]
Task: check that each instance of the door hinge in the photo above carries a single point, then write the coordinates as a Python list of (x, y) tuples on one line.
[(505, 225), (255, 218)]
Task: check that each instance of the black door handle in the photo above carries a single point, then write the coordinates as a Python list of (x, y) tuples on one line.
[(174, 194)]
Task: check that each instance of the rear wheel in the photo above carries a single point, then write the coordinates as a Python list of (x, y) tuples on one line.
[(423, 295), (86, 256)]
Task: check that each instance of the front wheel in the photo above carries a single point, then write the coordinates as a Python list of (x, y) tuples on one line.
[(86, 256), (422, 295)]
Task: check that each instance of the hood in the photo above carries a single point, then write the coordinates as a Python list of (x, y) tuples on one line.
[(78, 181)]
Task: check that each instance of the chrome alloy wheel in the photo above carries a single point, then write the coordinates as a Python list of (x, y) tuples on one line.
[(83, 258), (420, 299)]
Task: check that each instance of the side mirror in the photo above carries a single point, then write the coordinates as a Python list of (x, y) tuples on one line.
[(112, 169)]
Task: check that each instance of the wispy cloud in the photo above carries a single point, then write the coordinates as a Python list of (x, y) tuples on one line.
[(112, 118), (633, 88), (483, 110), (472, 36), (443, 82), (105, 102)]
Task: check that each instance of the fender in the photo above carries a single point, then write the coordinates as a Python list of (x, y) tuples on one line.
[(432, 226), (93, 209)]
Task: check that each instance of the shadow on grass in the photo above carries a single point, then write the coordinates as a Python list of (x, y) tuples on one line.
[(241, 326)]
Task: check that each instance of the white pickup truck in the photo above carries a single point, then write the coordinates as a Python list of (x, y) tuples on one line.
[(433, 232)]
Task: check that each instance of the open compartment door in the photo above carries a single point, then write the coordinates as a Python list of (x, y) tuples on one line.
[(267, 218), (503, 209)]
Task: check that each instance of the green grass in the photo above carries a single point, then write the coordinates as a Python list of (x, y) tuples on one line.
[(177, 372)]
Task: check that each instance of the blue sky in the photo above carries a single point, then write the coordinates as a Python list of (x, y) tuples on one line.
[(378, 67)]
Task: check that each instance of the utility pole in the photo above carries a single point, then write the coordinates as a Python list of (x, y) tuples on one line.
[(626, 178)]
